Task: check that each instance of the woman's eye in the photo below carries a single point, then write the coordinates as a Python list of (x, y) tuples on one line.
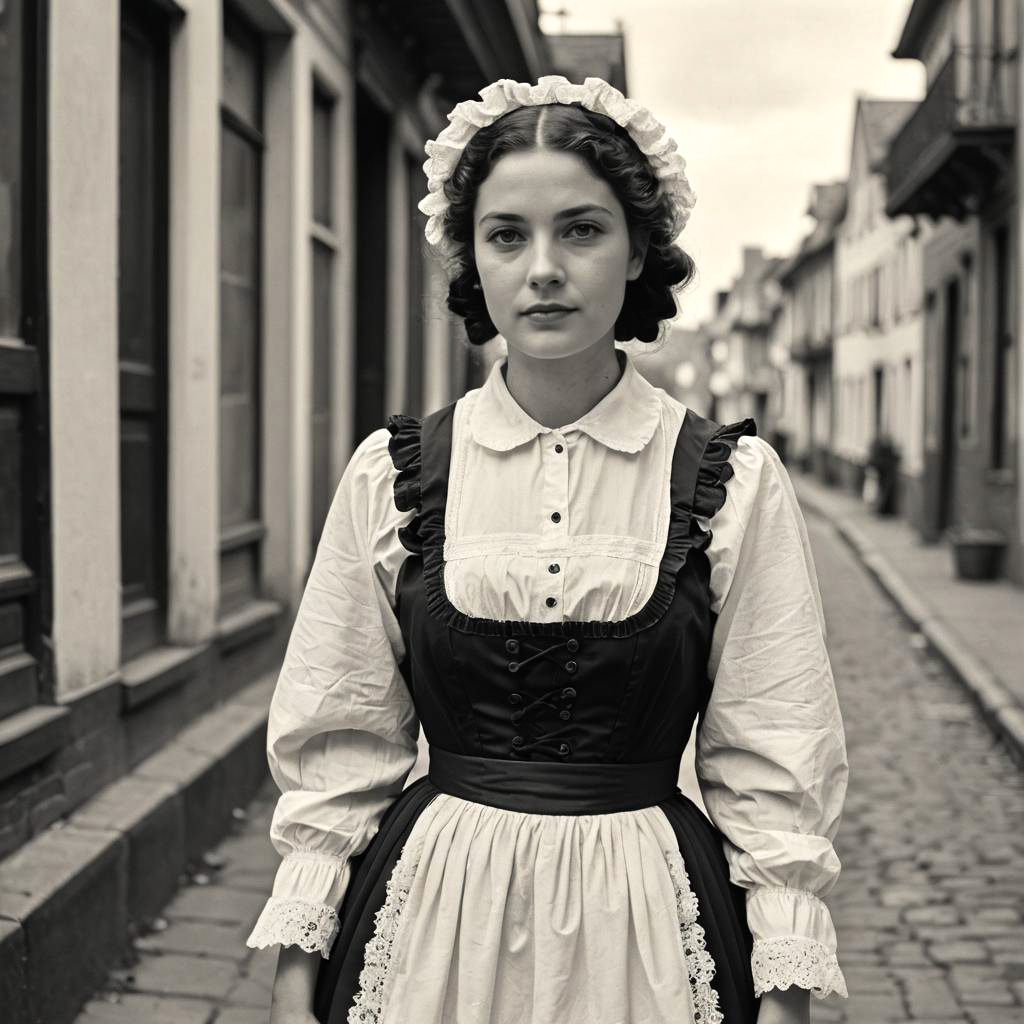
[(592, 230), (496, 236)]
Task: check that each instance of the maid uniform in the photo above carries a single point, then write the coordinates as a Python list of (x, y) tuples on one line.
[(558, 607)]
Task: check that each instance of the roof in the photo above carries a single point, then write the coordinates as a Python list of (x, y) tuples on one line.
[(579, 56), (882, 120), (914, 28)]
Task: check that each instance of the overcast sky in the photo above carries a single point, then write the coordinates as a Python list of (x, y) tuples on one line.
[(759, 94)]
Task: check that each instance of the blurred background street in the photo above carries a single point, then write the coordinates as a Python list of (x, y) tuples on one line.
[(214, 283)]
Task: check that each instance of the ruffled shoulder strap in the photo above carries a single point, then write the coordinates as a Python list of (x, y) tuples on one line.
[(404, 447), (715, 468), (420, 450)]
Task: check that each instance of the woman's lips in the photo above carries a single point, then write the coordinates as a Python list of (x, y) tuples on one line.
[(548, 316)]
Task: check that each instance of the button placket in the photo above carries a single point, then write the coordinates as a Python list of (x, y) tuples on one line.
[(555, 522)]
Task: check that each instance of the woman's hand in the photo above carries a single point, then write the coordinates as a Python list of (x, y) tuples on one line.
[(293, 986), (792, 1006)]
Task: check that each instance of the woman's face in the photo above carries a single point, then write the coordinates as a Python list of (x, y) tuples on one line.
[(547, 230)]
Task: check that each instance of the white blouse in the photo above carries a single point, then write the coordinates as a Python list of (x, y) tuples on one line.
[(770, 752)]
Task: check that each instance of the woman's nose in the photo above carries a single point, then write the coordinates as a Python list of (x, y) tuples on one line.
[(545, 267)]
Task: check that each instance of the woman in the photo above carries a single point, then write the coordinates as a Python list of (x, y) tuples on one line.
[(557, 575)]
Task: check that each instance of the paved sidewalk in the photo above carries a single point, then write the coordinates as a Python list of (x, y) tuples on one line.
[(195, 968), (977, 627)]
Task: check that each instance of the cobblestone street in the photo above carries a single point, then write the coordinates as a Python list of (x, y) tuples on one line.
[(929, 906)]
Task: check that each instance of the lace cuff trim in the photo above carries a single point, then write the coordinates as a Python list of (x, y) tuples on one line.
[(370, 999), (792, 960), (700, 965), (311, 926)]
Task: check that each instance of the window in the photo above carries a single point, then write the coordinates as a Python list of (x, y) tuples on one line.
[(24, 495), (241, 530), (325, 245), (1004, 407), (880, 424), (874, 317), (142, 327), (12, 176), (909, 417)]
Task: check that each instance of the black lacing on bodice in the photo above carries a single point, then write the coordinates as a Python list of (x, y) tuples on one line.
[(422, 483), (558, 700)]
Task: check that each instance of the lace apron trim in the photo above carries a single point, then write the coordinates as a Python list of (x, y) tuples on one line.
[(700, 965), (374, 977)]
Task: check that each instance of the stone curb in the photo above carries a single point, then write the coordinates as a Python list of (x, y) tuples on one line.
[(1000, 709), (72, 898)]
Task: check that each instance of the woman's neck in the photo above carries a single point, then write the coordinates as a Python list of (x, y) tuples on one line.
[(555, 392)]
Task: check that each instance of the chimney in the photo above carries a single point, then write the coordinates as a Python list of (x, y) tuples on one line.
[(753, 261)]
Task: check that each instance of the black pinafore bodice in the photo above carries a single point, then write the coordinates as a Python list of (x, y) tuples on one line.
[(576, 692)]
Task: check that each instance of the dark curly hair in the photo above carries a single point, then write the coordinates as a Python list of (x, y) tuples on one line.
[(612, 154)]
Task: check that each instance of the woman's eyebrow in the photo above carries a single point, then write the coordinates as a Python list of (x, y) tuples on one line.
[(574, 211)]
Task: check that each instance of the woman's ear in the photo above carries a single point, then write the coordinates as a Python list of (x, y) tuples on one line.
[(636, 260)]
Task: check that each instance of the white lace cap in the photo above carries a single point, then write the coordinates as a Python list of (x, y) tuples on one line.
[(504, 95)]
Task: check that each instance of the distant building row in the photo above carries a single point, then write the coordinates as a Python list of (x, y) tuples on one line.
[(897, 322)]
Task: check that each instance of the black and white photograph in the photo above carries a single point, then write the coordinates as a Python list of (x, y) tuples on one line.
[(511, 512)]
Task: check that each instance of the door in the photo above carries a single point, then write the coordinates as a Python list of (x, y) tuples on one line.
[(142, 327)]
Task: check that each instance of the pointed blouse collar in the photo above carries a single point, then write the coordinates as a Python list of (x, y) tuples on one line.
[(625, 419)]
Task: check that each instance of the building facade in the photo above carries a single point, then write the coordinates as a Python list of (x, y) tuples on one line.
[(878, 378), (808, 297), (742, 376), (956, 163)]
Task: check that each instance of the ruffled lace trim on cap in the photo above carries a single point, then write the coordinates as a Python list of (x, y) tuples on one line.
[(377, 957), (794, 960), (504, 95), (700, 965), (310, 926)]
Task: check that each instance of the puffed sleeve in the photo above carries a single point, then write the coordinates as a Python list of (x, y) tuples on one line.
[(771, 756), (342, 732)]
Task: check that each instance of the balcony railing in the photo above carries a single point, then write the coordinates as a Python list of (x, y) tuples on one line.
[(944, 152)]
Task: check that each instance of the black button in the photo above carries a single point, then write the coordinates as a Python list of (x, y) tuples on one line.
[(563, 748), (565, 715), (572, 645), (550, 602), (513, 666), (517, 741), (570, 666), (515, 698), (512, 646), (568, 693), (554, 567), (556, 517), (559, 449)]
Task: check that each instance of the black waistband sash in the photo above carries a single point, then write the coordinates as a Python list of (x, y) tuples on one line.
[(554, 787)]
